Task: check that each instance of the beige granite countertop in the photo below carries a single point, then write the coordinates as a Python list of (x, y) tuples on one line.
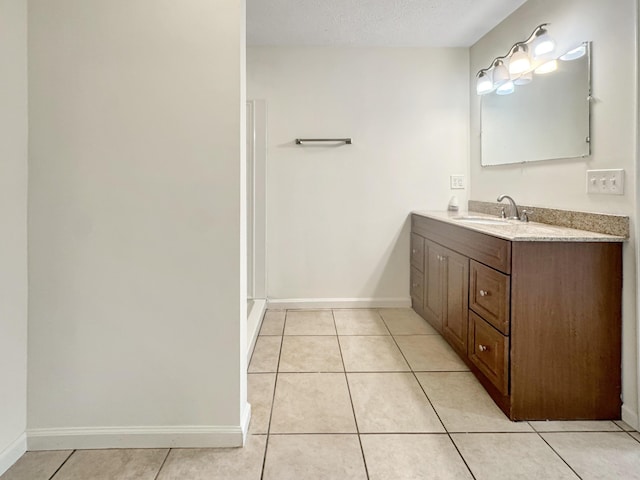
[(518, 231)]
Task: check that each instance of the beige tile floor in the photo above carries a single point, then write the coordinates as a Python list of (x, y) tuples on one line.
[(356, 394)]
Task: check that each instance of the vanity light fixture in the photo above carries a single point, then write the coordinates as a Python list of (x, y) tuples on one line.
[(503, 79), (484, 83), (520, 61), (500, 73), (542, 42)]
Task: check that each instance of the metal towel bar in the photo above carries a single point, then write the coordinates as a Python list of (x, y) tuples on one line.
[(346, 141)]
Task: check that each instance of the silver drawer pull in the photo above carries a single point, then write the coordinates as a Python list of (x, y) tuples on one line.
[(483, 348), (484, 293)]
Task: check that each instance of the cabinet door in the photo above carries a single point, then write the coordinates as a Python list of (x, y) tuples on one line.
[(417, 288), (456, 300), (417, 252), (433, 282)]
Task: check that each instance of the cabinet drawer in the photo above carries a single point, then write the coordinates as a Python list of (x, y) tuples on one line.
[(489, 351), (492, 251), (489, 295), (417, 285), (417, 252)]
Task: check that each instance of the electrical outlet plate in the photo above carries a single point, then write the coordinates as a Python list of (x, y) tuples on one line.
[(457, 182), (606, 182)]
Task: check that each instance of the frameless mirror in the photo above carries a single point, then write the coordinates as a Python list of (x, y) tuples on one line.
[(543, 120)]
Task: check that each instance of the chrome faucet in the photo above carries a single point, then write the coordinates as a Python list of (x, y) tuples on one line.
[(515, 215)]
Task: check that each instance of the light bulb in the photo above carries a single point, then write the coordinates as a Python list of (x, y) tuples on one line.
[(542, 43), (519, 61), (506, 88), (500, 73), (484, 84), (548, 67)]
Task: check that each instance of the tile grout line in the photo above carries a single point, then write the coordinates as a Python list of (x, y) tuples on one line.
[(62, 464), (162, 465), (554, 451), (434, 409), (353, 410), (373, 371), (619, 427), (366, 434), (273, 398), (637, 439), (385, 324), (535, 430)]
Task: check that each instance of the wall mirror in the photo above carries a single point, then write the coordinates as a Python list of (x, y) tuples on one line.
[(546, 119)]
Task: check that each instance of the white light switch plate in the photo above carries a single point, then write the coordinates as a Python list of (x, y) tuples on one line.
[(457, 182), (606, 182)]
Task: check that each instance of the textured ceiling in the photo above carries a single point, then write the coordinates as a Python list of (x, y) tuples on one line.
[(392, 23)]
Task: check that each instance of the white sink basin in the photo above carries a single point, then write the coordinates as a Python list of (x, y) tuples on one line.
[(481, 220)]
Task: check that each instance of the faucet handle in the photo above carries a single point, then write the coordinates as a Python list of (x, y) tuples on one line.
[(503, 214), (524, 216)]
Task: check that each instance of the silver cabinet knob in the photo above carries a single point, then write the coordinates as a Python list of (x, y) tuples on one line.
[(415, 285), (483, 293), (483, 348), (414, 250)]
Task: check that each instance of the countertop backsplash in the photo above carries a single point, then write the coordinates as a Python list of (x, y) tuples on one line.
[(594, 222)]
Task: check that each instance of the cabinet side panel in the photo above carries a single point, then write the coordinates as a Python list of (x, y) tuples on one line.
[(566, 330)]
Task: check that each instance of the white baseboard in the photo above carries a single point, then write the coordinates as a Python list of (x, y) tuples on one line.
[(12, 453), (630, 417), (182, 436), (310, 303), (254, 322)]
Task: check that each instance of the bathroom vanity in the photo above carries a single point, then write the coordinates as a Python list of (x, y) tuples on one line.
[(534, 310)]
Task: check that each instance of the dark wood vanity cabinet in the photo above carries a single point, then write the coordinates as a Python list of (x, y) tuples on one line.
[(538, 323)]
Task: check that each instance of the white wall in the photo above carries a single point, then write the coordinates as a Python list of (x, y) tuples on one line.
[(337, 216), (611, 26), (13, 241), (137, 290)]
